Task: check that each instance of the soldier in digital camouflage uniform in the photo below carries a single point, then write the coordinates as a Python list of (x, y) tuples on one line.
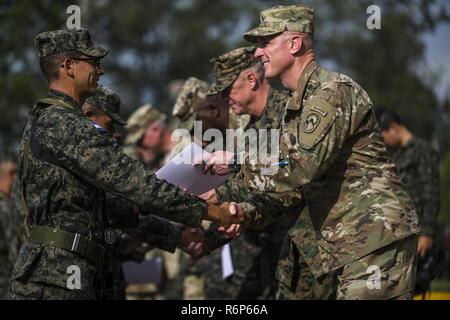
[(103, 108), (255, 254), (362, 221), (66, 163), (418, 165), (7, 175)]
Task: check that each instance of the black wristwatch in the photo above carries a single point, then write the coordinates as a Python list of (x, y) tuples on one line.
[(234, 166)]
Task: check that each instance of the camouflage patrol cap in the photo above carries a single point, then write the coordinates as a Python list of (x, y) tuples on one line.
[(191, 96), (139, 120), (57, 41), (228, 66), (277, 19), (109, 102)]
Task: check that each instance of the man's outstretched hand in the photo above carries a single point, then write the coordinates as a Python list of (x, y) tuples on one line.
[(193, 242), (216, 162), (229, 217), (210, 197)]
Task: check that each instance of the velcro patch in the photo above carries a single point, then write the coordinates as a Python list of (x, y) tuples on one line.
[(319, 116)]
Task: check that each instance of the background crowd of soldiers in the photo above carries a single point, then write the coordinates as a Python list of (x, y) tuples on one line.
[(190, 253)]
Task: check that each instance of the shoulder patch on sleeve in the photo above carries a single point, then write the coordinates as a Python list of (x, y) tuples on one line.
[(319, 116)]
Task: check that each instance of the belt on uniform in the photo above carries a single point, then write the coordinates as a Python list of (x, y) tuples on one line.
[(74, 242)]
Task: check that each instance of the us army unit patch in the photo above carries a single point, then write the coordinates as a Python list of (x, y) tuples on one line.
[(311, 122)]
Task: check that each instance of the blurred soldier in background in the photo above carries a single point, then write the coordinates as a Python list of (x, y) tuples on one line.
[(145, 130), (185, 280), (7, 176), (104, 108), (418, 165)]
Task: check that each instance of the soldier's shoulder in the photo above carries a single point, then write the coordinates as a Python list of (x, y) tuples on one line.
[(339, 83), (58, 112), (63, 119)]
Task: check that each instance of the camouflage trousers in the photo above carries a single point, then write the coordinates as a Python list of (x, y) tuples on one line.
[(246, 281), (297, 282), (4, 287), (387, 273), (41, 291), (5, 273)]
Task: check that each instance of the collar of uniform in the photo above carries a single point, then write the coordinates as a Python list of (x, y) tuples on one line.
[(267, 107), (302, 82), (65, 97)]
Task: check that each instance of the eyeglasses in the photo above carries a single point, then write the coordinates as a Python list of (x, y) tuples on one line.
[(96, 63)]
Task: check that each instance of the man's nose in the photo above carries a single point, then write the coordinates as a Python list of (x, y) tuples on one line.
[(100, 71), (258, 52)]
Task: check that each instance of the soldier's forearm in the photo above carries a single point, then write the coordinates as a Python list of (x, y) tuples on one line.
[(233, 189)]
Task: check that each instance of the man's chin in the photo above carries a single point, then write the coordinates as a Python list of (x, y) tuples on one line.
[(269, 74), (237, 111)]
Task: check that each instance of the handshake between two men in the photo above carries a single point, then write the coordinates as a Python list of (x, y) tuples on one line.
[(228, 218)]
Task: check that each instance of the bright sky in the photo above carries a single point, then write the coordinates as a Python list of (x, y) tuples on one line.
[(437, 57)]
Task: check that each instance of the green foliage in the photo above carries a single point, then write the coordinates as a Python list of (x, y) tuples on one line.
[(154, 42)]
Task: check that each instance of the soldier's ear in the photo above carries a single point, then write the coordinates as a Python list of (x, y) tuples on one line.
[(295, 44), (252, 80), (68, 67)]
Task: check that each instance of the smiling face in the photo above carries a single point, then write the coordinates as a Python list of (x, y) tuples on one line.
[(86, 75), (274, 53)]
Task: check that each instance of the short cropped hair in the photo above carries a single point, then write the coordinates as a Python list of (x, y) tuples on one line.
[(50, 64), (386, 117)]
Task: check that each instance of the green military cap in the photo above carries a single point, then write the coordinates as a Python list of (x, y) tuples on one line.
[(228, 66), (191, 96), (139, 120), (57, 41), (109, 102), (277, 19)]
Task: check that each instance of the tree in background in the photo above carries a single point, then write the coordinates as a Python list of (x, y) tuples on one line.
[(154, 42)]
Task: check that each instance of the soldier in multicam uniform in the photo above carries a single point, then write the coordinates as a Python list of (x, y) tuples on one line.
[(418, 165), (363, 221), (7, 176), (66, 163), (255, 254)]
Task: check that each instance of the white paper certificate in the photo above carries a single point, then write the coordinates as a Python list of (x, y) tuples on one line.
[(180, 172), (227, 261)]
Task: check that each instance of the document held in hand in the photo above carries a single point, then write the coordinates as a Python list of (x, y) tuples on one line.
[(227, 261), (180, 172)]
